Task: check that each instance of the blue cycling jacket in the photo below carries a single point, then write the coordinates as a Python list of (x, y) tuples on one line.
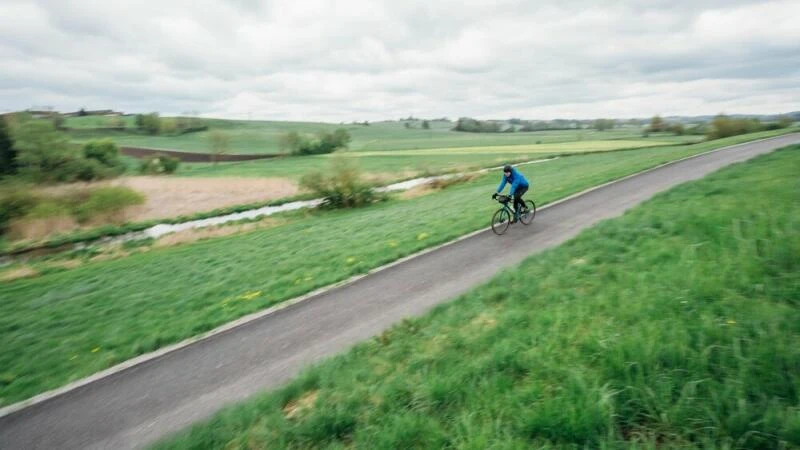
[(516, 179)]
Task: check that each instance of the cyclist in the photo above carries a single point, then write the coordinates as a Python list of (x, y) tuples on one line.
[(519, 186)]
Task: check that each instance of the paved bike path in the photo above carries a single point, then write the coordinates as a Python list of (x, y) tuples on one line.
[(138, 405)]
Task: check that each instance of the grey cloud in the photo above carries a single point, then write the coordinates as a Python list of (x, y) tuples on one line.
[(362, 59)]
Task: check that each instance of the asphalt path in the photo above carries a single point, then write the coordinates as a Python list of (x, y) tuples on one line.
[(140, 404)]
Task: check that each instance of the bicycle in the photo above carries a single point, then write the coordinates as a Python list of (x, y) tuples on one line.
[(501, 219)]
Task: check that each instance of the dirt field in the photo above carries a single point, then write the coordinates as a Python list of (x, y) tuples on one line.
[(171, 197), (174, 196)]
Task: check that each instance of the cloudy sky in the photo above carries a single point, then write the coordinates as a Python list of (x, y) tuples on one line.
[(384, 59)]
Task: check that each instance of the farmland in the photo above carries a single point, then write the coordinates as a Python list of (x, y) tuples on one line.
[(253, 137)]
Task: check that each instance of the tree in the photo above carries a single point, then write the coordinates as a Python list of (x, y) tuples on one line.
[(58, 120), (323, 142), (677, 128), (149, 123), (168, 125), (426, 125), (657, 124), (291, 142), (220, 144), (82, 112), (407, 125), (471, 125), (116, 122), (603, 124), (8, 154), (44, 154), (785, 121), (104, 151), (723, 126)]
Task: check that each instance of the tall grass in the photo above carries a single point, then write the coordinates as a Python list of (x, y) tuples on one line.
[(675, 326)]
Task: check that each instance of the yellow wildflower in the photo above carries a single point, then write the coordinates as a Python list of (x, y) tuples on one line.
[(250, 295), (422, 236)]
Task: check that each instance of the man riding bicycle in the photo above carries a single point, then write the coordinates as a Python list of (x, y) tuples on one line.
[(519, 186)]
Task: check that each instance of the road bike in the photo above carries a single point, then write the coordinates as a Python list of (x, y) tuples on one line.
[(503, 217)]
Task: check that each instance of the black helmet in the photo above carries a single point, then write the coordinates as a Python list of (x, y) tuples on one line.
[(507, 168)]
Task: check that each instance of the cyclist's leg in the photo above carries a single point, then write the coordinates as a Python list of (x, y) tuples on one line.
[(519, 204)]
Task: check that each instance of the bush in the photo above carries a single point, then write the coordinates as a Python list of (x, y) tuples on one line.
[(107, 201), (159, 164), (477, 126), (86, 170), (341, 186), (15, 203), (106, 152), (324, 142), (677, 128), (149, 123), (43, 153), (723, 126), (8, 154)]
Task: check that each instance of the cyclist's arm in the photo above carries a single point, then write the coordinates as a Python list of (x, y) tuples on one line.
[(502, 185)]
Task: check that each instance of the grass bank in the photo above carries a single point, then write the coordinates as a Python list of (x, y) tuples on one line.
[(675, 326)]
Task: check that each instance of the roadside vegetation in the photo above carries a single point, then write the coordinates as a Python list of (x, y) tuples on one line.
[(71, 322), (34, 155), (675, 326)]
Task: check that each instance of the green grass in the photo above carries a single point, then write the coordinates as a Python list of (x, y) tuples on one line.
[(675, 326), (434, 160), (98, 121), (66, 325), (263, 136)]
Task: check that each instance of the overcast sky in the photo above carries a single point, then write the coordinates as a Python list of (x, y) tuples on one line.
[(374, 59)]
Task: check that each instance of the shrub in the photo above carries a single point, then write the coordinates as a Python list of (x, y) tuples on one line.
[(43, 153), (323, 142), (105, 151), (8, 154), (15, 203), (109, 202), (159, 164), (149, 123), (342, 186), (723, 126), (477, 126)]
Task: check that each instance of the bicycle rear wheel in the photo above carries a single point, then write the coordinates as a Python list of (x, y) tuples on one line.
[(500, 221), (529, 213)]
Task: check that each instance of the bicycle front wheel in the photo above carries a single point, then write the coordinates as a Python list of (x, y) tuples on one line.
[(528, 213), (500, 221)]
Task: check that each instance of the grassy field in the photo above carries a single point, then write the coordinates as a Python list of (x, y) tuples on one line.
[(262, 136), (86, 122), (405, 163), (675, 326), (66, 324), (416, 162)]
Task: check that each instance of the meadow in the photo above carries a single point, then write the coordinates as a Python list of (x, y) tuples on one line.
[(394, 164), (250, 137), (674, 326), (68, 323)]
